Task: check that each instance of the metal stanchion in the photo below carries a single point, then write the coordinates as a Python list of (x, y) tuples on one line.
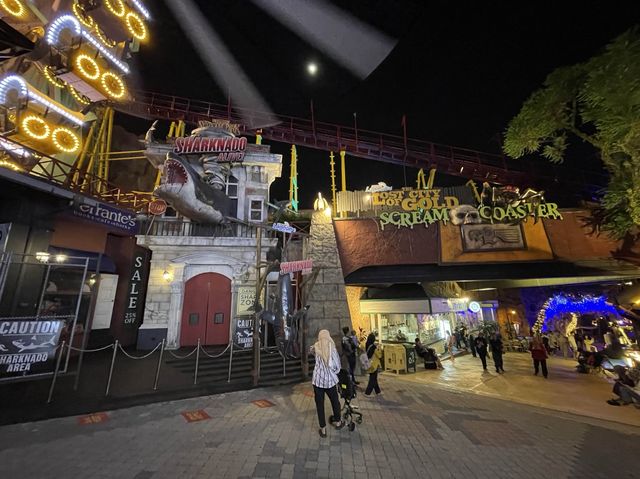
[(284, 366), (55, 373), (230, 363), (195, 373), (113, 361), (155, 383)]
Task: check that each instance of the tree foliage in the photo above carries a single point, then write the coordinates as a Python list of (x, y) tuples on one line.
[(597, 101)]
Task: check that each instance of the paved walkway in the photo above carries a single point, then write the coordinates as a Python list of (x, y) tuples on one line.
[(415, 430), (565, 390)]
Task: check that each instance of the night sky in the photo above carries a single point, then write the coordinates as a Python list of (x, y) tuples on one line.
[(458, 72)]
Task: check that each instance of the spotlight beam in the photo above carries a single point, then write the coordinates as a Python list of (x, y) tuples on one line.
[(352, 43), (220, 62)]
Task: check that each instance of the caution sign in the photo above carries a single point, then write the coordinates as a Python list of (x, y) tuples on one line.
[(28, 347)]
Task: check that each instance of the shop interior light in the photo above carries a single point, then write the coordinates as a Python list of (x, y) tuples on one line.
[(42, 256), (113, 85), (92, 280), (87, 66), (141, 8), (65, 140), (13, 7), (35, 127), (69, 21), (116, 7), (136, 26), (61, 258)]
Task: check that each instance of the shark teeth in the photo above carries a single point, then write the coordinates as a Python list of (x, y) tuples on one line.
[(174, 173)]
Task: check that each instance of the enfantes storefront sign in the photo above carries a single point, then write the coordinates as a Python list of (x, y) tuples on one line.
[(107, 215), (28, 347)]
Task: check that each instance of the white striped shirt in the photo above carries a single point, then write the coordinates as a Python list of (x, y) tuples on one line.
[(326, 376)]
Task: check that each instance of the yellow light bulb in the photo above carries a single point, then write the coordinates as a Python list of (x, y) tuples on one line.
[(13, 7), (87, 66), (103, 39), (136, 26), (115, 6), (65, 140), (52, 78), (82, 16), (79, 98), (35, 127), (112, 85)]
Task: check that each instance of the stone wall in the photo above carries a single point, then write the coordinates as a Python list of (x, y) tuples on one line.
[(328, 298)]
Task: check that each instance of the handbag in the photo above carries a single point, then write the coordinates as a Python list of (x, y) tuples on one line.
[(365, 362)]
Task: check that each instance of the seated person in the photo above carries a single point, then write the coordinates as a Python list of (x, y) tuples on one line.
[(627, 386), (429, 355), (400, 336)]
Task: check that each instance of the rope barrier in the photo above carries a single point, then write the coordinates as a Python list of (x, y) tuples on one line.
[(139, 357), (91, 350), (217, 355), (183, 357)]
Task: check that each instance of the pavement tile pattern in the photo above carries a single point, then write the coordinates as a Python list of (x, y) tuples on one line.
[(414, 430)]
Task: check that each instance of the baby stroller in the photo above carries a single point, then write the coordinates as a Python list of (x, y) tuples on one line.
[(348, 392)]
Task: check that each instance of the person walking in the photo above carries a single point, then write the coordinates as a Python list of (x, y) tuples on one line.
[(451, 342), (481, 349), (349, 352), (497, 351), (374, 354), (539, 356), (324, 380), (472, 344)]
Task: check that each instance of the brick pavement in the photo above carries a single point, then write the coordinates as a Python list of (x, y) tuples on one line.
[(415, 430)]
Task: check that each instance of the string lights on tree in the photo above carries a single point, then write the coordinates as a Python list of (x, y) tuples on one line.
[(573, 305)]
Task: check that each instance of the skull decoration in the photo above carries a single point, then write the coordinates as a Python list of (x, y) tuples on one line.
[(465, 215)]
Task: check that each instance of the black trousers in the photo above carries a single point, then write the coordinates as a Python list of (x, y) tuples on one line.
[(540, 362), (497, 360), (373, 384), (335, 403), (483, 358), (352, 366)]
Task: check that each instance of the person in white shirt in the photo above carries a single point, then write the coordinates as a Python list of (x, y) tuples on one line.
[(325, 379)]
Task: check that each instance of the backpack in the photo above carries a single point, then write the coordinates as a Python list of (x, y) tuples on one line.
[(365, 362)]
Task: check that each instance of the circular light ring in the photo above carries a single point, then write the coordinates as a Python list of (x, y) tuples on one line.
[(87, 66), (113, 85), (81, 15), (78, 97), (103, 39), (35, 127), (13, 7), (52, 78), (136, 26), (116, 7), (65, 140)]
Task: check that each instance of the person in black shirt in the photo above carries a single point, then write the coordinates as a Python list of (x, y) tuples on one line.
[(481, 349), (349, 352), (496, 351)]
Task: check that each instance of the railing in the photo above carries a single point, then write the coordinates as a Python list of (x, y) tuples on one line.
[(178, 227), (359, 142)]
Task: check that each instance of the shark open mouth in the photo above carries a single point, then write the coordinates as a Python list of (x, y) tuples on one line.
[(174, 173)]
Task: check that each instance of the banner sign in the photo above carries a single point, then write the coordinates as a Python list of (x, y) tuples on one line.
[(246, 299), (244, 332), (291, 267), (107, 215), (229, 149), (157, 207), (412, 200), (135, 298), (283, 227), (28, 346)]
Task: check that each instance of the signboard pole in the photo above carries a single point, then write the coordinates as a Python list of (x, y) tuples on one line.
[(256, 330), (55, 373), (75, 316)]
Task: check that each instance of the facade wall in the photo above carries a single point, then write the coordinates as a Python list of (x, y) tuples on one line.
[(76, 234), (183, 258)]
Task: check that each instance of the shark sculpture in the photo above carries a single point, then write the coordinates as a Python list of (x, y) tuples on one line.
[(193, 181)]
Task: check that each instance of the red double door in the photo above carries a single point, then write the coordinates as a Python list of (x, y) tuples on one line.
[(206, 310)]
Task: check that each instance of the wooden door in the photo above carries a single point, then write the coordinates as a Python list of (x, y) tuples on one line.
[(206, 310)]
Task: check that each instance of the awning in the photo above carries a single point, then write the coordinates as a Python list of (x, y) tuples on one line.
[(106, 264)]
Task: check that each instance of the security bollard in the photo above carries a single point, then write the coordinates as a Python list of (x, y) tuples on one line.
[(113, 361), (195, 373), (155, 383), (55, 373)]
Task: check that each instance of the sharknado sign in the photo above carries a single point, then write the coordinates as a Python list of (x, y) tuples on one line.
[(425, 207)]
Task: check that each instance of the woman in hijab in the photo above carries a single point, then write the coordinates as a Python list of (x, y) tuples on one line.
[(374, 354), (325, 378)]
